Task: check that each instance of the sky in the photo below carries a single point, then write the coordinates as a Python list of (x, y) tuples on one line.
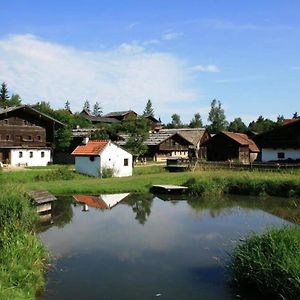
[(179, 54)]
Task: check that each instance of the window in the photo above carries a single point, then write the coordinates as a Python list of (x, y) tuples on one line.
[(5, 121), (125, 162), (38, 137), (280, 155), (92, 158), (24, 122), (42, 154), (20, 154), (29, 138), (31, 154), (7, 137)]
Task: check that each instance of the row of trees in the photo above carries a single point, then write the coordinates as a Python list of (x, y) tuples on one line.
[(217, 121)]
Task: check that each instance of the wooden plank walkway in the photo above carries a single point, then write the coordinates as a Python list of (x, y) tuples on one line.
[(176, 189)]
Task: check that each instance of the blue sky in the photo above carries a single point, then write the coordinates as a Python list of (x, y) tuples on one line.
[(180, 54)]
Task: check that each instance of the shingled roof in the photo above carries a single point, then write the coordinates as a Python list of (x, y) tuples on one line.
[(92, 148), (242, 139), (115, 114)]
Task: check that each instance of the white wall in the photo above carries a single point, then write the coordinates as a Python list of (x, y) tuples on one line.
[(84, 164), (35, 160), (271, 154), (113, 157)]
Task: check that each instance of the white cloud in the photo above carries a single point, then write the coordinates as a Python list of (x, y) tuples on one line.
[(120, 78), (207, 68), (171, 35)]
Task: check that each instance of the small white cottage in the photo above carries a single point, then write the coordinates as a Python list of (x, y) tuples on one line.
[(95, 158)]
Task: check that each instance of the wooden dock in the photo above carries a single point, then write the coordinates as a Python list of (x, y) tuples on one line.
[(43, 199), (168, 189)]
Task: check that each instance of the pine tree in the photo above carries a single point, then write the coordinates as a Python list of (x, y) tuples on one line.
[(97, 110), (86, 105), (149, 110), (68, 105), (4, 98), (237, 125), (15, 100)]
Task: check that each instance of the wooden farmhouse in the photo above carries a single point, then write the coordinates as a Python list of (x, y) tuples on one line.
[(231, 146), (98, 119), (282, 143), (94, 158), (122, 115), (26, 136), (173, 143)]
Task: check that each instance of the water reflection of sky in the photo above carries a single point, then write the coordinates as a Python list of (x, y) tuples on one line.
[(146, 246)]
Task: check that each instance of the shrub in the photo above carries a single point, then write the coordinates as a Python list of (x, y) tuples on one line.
[(107, 172), (269, 262)]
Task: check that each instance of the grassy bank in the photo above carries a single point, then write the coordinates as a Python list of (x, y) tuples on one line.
[(270, 263), (22, 256), (64, 182)]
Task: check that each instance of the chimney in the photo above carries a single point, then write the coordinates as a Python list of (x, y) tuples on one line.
[(85, 140)]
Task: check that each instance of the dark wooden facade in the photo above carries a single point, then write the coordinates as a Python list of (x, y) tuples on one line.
[(25, 127), (231, 146)]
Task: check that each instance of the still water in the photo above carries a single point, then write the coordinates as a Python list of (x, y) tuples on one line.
[(148, 247)]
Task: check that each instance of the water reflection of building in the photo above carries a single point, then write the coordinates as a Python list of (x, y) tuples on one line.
[(100, 202)]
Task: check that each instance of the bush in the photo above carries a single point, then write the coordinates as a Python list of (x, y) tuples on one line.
[(269, 262), (107, 173)]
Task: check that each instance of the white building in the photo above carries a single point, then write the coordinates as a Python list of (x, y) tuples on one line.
[(30, 157), (95, 158), (282, 143)]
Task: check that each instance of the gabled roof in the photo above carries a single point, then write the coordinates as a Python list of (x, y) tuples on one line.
[(114, 114), (30, 109), (92, 201), (92, 148), (242, 139), (192, 135)]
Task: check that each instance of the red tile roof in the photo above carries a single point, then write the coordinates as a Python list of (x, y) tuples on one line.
[(91, 148), (91, 201), (289, 121), (242, 139)]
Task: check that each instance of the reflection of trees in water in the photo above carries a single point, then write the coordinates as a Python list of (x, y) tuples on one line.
[(284, 208), (141, 206), (61, 214)]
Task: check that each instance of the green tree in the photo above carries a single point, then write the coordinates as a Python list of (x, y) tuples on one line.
[(4, 98), (176, 121), (280, 120), (45, 108), (138, 131), (97, 110), (262, 125), (15, 100), (149, 110), (196, 122), (217, 117), (237, 125), (295, 115), (68, 105), (63, 137)]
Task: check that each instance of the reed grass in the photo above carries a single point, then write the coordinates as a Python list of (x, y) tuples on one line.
[(269, 262), (22, 256)]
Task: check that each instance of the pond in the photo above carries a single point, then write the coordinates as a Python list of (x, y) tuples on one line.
[(148, 247)]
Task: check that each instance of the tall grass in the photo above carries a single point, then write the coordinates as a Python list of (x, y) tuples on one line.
[(22, 256), (270, 263)]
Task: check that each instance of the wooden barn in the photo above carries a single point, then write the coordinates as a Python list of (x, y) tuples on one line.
[(26, 136), (173, 143), (227, 145), (282, 143)]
